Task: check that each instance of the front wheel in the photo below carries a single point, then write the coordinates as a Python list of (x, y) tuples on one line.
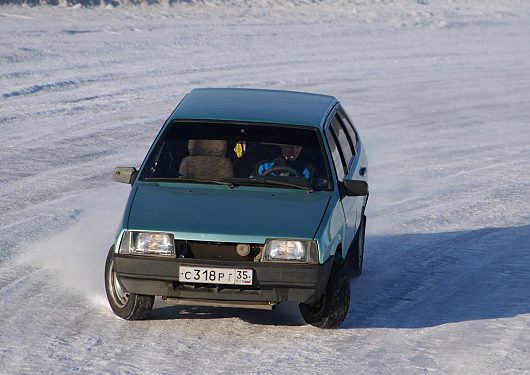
[(333, 307), (126, 305), (355, 257)]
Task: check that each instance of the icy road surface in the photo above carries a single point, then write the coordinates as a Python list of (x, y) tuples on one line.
[(441, 96)]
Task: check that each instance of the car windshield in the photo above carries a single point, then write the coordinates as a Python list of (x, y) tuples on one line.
[(239, 154)]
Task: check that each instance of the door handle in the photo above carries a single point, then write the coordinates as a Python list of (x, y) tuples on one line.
[(363, 171)]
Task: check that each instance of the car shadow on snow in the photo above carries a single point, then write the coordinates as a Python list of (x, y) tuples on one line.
[(426, 280), (285, 314), (415, 281)]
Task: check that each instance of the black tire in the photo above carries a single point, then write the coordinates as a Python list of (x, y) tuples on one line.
[(355, 257), (333, 307), (126, 305)]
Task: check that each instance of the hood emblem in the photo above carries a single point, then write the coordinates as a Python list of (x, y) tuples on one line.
[(243, 249)]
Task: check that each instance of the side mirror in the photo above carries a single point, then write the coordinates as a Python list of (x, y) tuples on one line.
[(124, 174), (355, 188)]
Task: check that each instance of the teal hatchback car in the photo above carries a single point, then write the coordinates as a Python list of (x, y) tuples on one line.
[(247, 198)]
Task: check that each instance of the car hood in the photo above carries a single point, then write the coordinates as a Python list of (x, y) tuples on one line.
[(217, 213)]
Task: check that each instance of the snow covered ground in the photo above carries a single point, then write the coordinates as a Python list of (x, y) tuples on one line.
[(440, 92)]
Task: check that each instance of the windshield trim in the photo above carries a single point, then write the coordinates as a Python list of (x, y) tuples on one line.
[(171, 122)]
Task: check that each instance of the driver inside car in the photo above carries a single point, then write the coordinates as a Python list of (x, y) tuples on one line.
[(288, 164)]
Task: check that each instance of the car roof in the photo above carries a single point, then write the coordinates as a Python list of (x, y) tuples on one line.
[(255, 105)]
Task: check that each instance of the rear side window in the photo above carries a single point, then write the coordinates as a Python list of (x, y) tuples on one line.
[(338, 161), (349, 128), (343, 139)]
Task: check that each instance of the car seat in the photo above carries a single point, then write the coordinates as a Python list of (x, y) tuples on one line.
[(206, 160)]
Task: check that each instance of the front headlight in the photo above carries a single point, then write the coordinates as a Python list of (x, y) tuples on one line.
[(148, 243), (278, 250)]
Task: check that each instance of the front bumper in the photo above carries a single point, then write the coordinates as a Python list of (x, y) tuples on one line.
[(272, 282)]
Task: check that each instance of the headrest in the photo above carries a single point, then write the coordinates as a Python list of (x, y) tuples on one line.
[(207, 147)]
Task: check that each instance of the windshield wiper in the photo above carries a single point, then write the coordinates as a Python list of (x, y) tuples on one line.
[(231, 182), (289, 184), (192, 180), (265, 181)]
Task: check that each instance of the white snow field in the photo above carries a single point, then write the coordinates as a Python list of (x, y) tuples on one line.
[(440, 92)]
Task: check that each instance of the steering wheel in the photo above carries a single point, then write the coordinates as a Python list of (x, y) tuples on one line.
[(284, 168)]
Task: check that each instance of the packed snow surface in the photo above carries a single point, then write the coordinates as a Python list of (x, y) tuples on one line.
[(440, 93)]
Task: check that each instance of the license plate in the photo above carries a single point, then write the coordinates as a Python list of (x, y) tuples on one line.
[(210, 275)]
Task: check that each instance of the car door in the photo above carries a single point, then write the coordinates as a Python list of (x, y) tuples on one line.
[(343, 141)]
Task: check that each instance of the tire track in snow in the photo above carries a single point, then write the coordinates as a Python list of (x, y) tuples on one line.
[(43, 87)]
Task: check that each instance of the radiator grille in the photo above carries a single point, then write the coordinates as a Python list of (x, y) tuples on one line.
[(215, 251)]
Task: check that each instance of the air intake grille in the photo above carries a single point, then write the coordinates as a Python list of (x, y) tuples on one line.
[(215, 251)]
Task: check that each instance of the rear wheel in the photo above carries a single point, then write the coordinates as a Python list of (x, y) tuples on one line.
[(126, 305), (331, 310)]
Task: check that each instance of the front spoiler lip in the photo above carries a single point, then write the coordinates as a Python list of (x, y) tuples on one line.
[(273, 282)]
